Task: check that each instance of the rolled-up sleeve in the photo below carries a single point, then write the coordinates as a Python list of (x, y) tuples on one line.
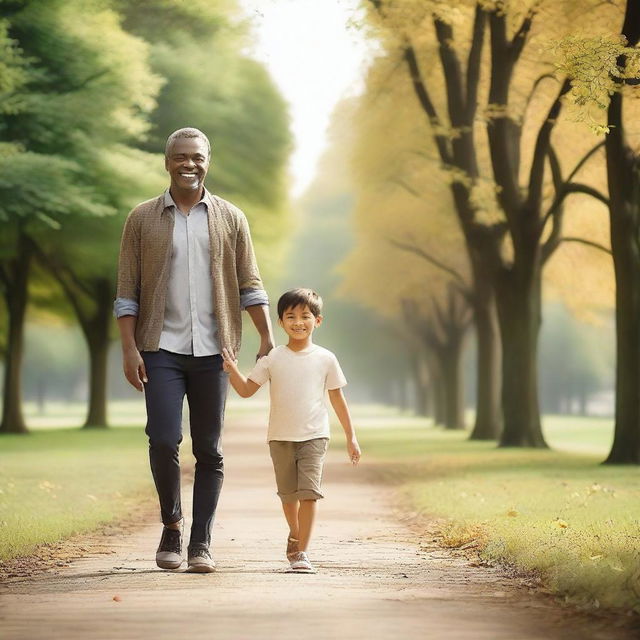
[(125, 307), (250, 297)]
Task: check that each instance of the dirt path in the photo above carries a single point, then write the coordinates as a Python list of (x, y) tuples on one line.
[(375, 580)]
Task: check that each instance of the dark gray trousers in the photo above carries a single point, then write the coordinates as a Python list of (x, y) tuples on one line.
[(172, 376)]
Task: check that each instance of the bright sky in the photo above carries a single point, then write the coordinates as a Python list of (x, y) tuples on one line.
[(315, 58)]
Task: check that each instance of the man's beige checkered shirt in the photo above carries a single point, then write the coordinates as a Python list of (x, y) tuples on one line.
[(145, 257)]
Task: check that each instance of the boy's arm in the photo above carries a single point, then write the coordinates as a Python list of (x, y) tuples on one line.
[(244, 387), (339, 405)]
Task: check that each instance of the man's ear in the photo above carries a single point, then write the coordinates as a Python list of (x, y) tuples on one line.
[(166, 163)]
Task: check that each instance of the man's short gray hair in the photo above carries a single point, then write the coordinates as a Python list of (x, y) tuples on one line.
[(186, 132)]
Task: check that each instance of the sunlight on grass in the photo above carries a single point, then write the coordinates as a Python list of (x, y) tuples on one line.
[(57, 482), (562, 514)]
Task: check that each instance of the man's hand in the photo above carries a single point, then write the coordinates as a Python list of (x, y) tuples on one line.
[(230, 362), (353, 449), (265, 347), (134, 370)]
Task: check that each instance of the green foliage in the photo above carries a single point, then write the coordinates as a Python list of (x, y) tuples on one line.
[(592, 63), (13, 73), (174, 21), (91, 83)]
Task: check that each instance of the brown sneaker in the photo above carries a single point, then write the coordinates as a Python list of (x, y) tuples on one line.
[(169, 554), (292, 548)]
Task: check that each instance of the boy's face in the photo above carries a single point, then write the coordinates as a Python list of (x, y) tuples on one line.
[(299, 323)]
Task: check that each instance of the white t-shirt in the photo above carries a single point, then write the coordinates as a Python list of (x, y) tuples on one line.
[(299, 380)]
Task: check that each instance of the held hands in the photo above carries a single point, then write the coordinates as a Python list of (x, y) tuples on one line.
[(353, 449), (230, 362)]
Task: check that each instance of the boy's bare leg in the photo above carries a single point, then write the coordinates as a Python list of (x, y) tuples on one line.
[(291, 514), (306, 518)]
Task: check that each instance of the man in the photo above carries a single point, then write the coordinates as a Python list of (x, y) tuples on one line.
[(186, 270)]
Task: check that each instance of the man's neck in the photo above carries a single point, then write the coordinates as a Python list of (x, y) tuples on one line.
[(186, 200)]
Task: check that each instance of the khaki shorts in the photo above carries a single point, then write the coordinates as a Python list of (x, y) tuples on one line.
[(298, 467)]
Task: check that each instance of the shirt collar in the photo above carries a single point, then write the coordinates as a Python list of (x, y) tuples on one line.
[(169, 201)]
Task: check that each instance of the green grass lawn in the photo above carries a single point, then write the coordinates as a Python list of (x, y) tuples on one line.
[(560, 513), (57, 482)]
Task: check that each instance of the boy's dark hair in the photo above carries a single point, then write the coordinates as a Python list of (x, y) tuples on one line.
[(297, 297)]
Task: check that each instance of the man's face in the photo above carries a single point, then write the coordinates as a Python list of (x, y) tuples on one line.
[(187, 164)]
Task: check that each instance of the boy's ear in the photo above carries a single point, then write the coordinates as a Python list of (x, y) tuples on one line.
[(318, 321)]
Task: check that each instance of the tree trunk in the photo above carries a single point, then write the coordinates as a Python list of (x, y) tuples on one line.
[(488, 421), (439, 393), (97, 336), (625, 223), (626, 440), (624, 214), (453, 385), (519, 309), (420, 380), (16, 291)]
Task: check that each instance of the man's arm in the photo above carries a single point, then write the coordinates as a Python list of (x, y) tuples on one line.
[(132, 362), (253, 298), (126, 305), (259, 314), (339, 405)]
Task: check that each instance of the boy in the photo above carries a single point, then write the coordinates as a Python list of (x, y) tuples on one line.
[(298, 434)]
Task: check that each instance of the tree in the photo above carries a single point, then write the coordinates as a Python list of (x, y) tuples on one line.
[(405, 24), (507, 256), (623, 171), (87, 85), (609, 77)]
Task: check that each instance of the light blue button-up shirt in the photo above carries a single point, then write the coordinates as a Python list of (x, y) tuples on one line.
[(189, 322)]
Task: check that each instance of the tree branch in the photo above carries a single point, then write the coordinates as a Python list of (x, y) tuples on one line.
[(407, 187), (452, 73), (536, 84), (574, 187), (425, 101), (519, 39), (67, 280), (552, 242), (473, 63), (412, 248), (589, 243), (584, 160), (543, 141)]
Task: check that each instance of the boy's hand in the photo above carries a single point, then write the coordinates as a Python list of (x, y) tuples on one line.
[(229, 363), (353, 449)]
